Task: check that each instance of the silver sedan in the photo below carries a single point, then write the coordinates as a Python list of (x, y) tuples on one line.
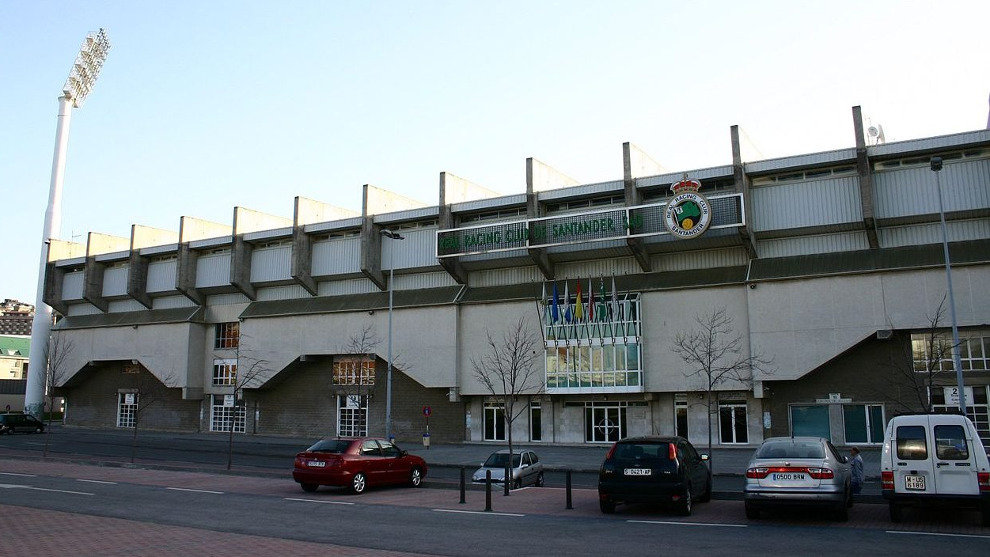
[(788, 471), (526, 468)]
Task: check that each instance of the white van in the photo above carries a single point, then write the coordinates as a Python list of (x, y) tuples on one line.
[(934, 458)]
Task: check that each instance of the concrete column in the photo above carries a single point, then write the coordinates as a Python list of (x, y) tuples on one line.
[(865, 171), (741, 182), (371, 253), (240, 266), (137, 278), (302, 260), (185, 273), (93, 284), (633, 198), (533, 210), (446, 221), (54, 278)]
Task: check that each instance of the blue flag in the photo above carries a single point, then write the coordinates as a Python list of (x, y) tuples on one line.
[(555, 308)]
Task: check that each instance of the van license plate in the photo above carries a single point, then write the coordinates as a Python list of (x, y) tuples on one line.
[(914, 482), (637, 471)]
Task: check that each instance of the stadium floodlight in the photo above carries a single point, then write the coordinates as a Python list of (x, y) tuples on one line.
[(78, 86)]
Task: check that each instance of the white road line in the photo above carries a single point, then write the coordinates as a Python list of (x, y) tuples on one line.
[(195, 490), (96, 481), (489, 513), (318, 501), (14, 474), (15, 486), (936, 534), (673, 522)]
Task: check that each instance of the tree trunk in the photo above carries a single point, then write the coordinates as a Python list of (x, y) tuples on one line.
[(230, 441), (134, 438)]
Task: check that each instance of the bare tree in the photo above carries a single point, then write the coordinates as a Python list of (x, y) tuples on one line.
[(715, 354), (247, 374), (58, 350), (509, 372), (909, 387), (148, 390)]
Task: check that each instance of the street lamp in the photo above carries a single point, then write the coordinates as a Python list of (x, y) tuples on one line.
[(936, 168), (82, 77), (388, 382)]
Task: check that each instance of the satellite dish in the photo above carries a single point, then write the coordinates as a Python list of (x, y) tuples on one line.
[(873, 131)]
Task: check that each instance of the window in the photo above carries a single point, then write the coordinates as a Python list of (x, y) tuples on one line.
[(370, 448), (604, 422), (911, 443), (950, 443), (535, 422), (974, 352), (354, 371), (863, 423), (977, 407), (494, 421), (226, 414), (810, 421), (227, 335), (126, 409), (224, 372), (732, 422), (680, 416), (352, 415)]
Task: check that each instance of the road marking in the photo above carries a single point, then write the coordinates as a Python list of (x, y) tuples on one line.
[(195, 490), (22, 475), (96, 481), (476, 512), (318, 501), (15, 486), (936, 534), (676, 523)]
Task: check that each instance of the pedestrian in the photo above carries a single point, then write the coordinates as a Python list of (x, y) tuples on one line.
[(856, 469)]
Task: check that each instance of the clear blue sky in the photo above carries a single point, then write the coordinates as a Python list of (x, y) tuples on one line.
[(202, 106)]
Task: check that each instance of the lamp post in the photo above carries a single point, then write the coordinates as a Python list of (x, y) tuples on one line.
[(79, 84), (388, 382), (936, 168)]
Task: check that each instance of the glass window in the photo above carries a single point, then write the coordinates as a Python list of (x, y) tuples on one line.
[(950, 442), (535, 422), (389, 449), (911, 443), (353, 371), (352, 415), (680, 417), (370, 448), (810, 421), (863, 423), (126, 409), (494, 422), (332, 446), (791, 449), (227, 335), (224, 372), (732, 422), (223, 417)]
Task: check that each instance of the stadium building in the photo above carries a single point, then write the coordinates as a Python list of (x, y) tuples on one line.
[(824, 272)]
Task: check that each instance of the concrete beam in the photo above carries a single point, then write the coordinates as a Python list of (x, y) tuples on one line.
[(137, 267), (98, 244), (52, 295), (376, 201), (454, 189), (741, 183), (865, 171), (540, 175), (240, 266), (145, 236), (185, 273), (248, 220), (371, 253), (308, 211), (192, 229), (634, 161), (305, 211)]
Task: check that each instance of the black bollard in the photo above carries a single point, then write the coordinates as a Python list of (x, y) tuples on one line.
[(488, 490), (462, 485), (569, 505), (507, 478)]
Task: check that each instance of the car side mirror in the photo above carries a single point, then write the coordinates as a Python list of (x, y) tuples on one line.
[(845, 459), (704, 457), (403, 453)]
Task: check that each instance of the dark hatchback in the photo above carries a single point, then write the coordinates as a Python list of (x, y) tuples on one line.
[(17, 422), (657, 470)]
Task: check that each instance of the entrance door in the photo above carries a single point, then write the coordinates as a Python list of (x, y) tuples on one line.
[(604, 424)]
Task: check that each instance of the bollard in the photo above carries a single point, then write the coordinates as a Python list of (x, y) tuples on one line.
[(507, 478), (569, 505), (488, 490), (462, 485)]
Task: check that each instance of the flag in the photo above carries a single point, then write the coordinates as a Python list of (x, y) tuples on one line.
[(591, 301), (579, 306), (568, 316), (603, 305), (554, 307)]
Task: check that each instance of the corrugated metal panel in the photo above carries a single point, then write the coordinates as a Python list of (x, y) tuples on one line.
[(488, 204), (337, 256), (348, 286), (115, 281), (83, 309), (911, 191), (509, 275), (812, 203), (417, 250), (419, 213), (807, 245), (931, 233), (120, 306), (586, 190), (170, 302), (703, 259), (271, 264), (288, 292), (161, 276), (696, 174), (418, 281), (213, 269), (799, 161), (928, 143), (72, 286)]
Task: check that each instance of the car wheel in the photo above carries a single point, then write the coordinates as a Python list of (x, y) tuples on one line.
[(685, 508), (517, 484), (607, 507), (752, 512), (896, 512), (359, 483), (707, 495), (309, 488), (416, 477), (539, 480)]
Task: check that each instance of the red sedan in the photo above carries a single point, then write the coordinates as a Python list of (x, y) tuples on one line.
[(357, 463)]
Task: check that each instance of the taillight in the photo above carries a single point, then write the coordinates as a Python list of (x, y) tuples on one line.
[(821, 473), (757, 473), (671, 451), (611, 451), (887, 480), (984, 479)]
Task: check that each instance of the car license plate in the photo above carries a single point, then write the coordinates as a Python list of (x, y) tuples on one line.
[(914, 482), (637, 471), (787, 477), (317, 464)]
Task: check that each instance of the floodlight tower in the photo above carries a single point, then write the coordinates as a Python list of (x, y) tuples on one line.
[(77, 87)]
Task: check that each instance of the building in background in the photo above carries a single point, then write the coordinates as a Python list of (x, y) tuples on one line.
[(828, 265), (14, 353), (15, 318)]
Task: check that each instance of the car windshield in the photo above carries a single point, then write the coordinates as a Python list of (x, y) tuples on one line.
[(791, 449), (642, 451), (334, 446), (498, 460)]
